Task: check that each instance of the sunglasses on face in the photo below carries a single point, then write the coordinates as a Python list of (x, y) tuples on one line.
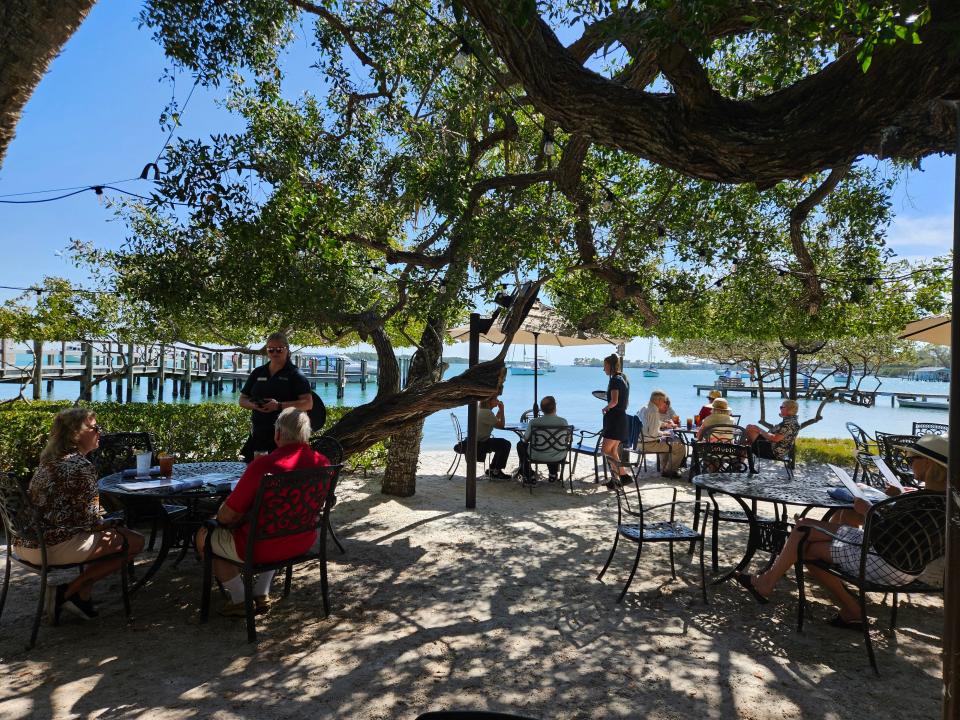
[(275, 349)]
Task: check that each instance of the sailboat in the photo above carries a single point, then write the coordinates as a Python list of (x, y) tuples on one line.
[(527, 367), (650, 370)]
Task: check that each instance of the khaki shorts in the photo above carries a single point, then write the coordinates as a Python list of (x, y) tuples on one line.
[(223, 545), (72, 550)]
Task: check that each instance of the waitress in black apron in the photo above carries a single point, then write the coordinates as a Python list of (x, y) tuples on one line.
[(615, 424)]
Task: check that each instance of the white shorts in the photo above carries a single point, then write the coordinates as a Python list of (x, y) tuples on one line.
[(222, 543), (878, 570)]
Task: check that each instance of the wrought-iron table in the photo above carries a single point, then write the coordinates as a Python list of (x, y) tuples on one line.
[(190, 498), (807, 486)]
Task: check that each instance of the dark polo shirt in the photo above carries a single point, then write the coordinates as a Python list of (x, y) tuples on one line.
[(287, 384)]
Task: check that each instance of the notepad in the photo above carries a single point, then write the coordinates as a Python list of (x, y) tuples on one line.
[(848, 482), (175, 485)]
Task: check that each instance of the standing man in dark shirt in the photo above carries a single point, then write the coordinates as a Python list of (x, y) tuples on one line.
[(269, 389)]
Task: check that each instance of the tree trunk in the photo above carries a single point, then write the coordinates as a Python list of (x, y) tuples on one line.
[(403, 457), (32, 33)]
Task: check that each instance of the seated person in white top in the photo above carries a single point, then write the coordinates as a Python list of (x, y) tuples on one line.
[(654, 441), (549, 419), (719, 415), (487, 420)]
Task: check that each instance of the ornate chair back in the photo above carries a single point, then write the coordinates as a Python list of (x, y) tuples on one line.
[(894, 457), (908, 531), (861, 439), (929, 428), (551, 444), (116, 451), (720, 457), (329, 447)]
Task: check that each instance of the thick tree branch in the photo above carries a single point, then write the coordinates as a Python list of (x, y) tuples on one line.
[(825, 120)]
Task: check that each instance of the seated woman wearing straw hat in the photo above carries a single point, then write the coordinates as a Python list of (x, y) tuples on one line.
[(929, 461), (719, 416)]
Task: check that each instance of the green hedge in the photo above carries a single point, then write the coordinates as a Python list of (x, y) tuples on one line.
[(838, 451), (199, 433)]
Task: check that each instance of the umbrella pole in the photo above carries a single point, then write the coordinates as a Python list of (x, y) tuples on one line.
[(951, 595), (536, 373)]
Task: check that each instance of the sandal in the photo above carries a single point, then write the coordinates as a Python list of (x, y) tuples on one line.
[(838, 622), (747, 582)]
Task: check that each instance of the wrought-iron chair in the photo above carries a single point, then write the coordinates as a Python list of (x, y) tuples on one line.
[(304, 498), (633, 524), (870, 474), (723, 432), (23, 524), (930, 428), (332, 450), (459, 450), (889, 446), (725, 457), (549, 442), (865, 445), (908, 532), (589, 443)]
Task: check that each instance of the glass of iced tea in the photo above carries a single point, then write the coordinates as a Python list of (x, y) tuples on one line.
[(166, 464)]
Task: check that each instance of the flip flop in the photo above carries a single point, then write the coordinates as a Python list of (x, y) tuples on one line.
[(747, 582), (838, 622)]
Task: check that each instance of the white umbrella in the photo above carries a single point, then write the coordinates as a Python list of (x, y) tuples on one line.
[(935, 329), (542, 326)]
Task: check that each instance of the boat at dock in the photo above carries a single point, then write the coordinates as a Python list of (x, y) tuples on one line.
[(527, 368)]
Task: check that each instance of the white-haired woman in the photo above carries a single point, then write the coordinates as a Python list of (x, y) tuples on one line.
[(64, 492), (291, 435)]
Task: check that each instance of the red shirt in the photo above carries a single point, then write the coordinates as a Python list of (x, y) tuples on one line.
[(705, 412), (283, 459)]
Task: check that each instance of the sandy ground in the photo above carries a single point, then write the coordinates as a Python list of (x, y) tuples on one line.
[(435, 607)]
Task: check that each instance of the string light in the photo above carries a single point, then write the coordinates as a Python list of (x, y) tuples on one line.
[(549, 147), (462, 59), (608, 200)]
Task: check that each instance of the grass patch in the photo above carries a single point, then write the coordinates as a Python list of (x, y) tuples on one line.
[(838, 451)]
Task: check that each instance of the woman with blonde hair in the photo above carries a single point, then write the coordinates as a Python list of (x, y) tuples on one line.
[(64, 492)]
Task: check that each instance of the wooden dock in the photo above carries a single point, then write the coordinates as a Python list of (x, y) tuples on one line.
[(96, 363), (867, 398)]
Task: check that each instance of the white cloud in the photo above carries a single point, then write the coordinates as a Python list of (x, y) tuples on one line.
[(917, 238)]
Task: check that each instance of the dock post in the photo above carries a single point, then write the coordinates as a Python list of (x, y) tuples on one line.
[(162, 378), (150, 387), (363, 375), (37, 367), (130, 372), (185, 386), (49, 387), (341, 378), (176, 386), (86, 385)]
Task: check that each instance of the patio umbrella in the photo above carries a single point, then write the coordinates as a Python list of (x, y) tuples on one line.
[(542, 326), (934, 329)]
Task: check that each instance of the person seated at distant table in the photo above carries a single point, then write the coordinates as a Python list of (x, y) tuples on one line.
[(708, 408), (655, 441), (777, 443), (549, 419), (487, 420), (291, 435), (720, 415), (929, 458)]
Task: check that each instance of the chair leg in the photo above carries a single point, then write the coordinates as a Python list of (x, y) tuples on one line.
[(207, 582), (801, 596), (324, 588), (125, 586), (249, 606), (36, 619), (673, 570), (287, 580), (451, 471), (696, 518), (6, 582), (703, 573), (715, 538), (616, 539), (153, 531), (633, 571), (866, 632), (893, 613), (335, 539)]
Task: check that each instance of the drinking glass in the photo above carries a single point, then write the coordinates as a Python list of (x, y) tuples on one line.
[(144, 461), (696, 420), (166, 465), (689, 423)]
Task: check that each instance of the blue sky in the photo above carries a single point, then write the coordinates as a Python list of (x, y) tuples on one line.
[(94, 119)]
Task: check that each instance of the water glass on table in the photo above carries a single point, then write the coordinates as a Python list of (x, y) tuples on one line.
[(165, 461), (144, 462)]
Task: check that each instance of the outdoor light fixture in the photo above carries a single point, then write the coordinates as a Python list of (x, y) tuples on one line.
[(503, 299), (462, 58), (607, 203), (549, 148)]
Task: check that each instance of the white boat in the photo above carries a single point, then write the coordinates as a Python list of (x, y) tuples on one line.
[(527, 368), (650, 370), (925, 404)]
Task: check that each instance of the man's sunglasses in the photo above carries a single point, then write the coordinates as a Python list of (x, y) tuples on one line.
[(275, 349)]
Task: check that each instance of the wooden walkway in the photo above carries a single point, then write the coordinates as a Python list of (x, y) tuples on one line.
[(867, 398)]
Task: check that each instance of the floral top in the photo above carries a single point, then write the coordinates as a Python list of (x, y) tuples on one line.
[(65, 494), (789, 428)]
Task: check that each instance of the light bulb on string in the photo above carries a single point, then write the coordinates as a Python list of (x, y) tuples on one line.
[(98, 189), (608, 200), (462, 59), (549, 147)]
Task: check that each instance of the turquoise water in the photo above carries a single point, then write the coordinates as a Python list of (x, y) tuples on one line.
[(572, 385)]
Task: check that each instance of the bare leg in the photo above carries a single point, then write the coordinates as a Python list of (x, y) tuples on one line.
[(817, 548), (751, 433), (611, 451), (223, 570), (110, 542), (849, 607)]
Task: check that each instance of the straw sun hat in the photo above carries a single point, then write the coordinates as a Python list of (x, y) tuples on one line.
[(714, 394), (932, 447), (720, 404)]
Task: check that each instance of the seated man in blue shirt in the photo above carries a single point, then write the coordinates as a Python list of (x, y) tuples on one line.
[(549, 419)]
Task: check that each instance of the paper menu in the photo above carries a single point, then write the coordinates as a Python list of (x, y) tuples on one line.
[(887, 473), (848, 482)]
